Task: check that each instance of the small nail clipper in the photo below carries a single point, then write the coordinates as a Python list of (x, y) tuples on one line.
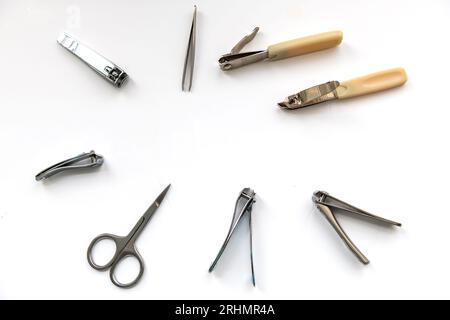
[(327, 203), (332, 90), (287, 49), (244, 205), (104, 67), (82, 161)]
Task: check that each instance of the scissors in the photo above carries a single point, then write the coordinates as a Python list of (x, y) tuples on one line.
[(125, 246)]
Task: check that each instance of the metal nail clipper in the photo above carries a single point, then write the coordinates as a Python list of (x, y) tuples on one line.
[(82, 161), (244, 205), (287, 49), (104, 67), (332, 90), (327, 204), (188, 70)]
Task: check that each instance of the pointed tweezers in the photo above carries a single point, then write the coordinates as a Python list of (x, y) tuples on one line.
[(72, 163), (188, 70), (325, 203), (248, 195)]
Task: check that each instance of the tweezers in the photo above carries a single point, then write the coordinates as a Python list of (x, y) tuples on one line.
[(188, 70), (244, 205), (77, 162), (326, 203)]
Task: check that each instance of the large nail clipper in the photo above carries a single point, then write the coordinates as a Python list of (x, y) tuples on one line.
[(287, 49), (332, 90), (327, 203)]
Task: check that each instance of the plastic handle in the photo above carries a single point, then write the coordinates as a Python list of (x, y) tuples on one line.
[(372, 83), (305, 45)]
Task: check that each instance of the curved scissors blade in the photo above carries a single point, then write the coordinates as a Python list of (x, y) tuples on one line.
[(147, 216), (157, 202)]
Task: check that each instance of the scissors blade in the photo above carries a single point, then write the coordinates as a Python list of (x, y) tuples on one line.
[(155, 205), (145, 218)]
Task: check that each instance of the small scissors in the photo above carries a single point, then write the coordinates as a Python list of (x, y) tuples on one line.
[(125, 246)]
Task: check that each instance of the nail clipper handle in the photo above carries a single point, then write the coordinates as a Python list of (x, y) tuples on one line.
[(305, 45), (372, 83), (335, 224)]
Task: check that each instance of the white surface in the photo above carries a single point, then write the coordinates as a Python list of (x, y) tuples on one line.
[(387, 153)]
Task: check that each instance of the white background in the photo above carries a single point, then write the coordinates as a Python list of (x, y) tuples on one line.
[(386, 153)]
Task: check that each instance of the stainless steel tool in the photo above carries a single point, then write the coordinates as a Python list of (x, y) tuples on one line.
[(327, 204), (188, 70), (104, 67), (243, 205), (125, 246), (81, 161)]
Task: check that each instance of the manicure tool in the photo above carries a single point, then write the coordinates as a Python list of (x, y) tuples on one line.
[(78, 162), (332, 90), (125, 246), (244, 205), (326, 203), (188, 70), (287, 49), (104, 67)]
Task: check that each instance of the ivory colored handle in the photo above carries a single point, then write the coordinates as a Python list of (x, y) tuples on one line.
[(305, 45), (372, 83)]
